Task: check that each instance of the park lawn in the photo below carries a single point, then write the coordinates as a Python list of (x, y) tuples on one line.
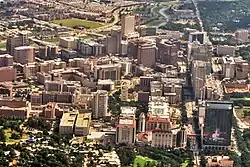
[(73, 22), (141, 160), (8, 133), (2, 45), (184, 164)]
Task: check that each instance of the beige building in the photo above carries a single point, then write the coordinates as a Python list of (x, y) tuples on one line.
[(67, 42), (100, 104), (42, 77), (228, 67), (24, 54), (126, 130), (199, 69), (128, 24), (30, 70), (163, 139), (124, 93), (82, 125), (67, 123)]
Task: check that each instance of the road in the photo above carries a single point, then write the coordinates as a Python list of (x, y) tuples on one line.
[(198, 14)]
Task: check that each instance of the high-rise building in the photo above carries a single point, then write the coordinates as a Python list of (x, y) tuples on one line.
[(47, 51), (126, 127), (128, 24), (100, 104), (197, 51), (108, 71), (197, 36), (228, 67), (146, 54), (24, 54), (16, 41), (199, 69), (215, 119), (113, 42), (168, 51)]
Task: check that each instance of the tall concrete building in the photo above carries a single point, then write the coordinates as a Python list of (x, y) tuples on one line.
[(24, 54), (128, 24), (201, 37), (47, 51), (16, 41), (146, 54), (108, 71), (100, 104), (215, 120), (113, 42), (228, 67), (197, 51), (199, 69), (167, 51), (126, 127)]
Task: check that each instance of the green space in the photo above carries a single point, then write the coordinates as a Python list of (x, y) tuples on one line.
[(227, 16), (185, 164), (142, 161), (51, 40), (2, 45), (155, 22), (9, 136), (239, 99), (74, 23)]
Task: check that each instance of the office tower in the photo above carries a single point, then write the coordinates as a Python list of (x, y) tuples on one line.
[(215, 119), (100, 104), (241, 36), (16, 41), (6, 60), (228, 67), (168, 51), (197, 36), (30, 70), (146, 54), (126, 127), (198, 78), (107, 71), (145, 83), (47, 51), (197, 51), (113, 42), (128, 24), (24, 54)]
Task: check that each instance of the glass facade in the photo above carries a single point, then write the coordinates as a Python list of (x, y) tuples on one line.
[(218, 123)]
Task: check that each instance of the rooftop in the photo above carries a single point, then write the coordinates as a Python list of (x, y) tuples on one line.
[(68, 119)]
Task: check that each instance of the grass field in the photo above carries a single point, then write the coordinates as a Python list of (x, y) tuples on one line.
[(142, 160), (184, 164), (8, 133), (2, 45), (79, 22)]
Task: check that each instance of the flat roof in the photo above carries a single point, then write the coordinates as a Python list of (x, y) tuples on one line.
[(83, 120), (68, 119), (24, 47)]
